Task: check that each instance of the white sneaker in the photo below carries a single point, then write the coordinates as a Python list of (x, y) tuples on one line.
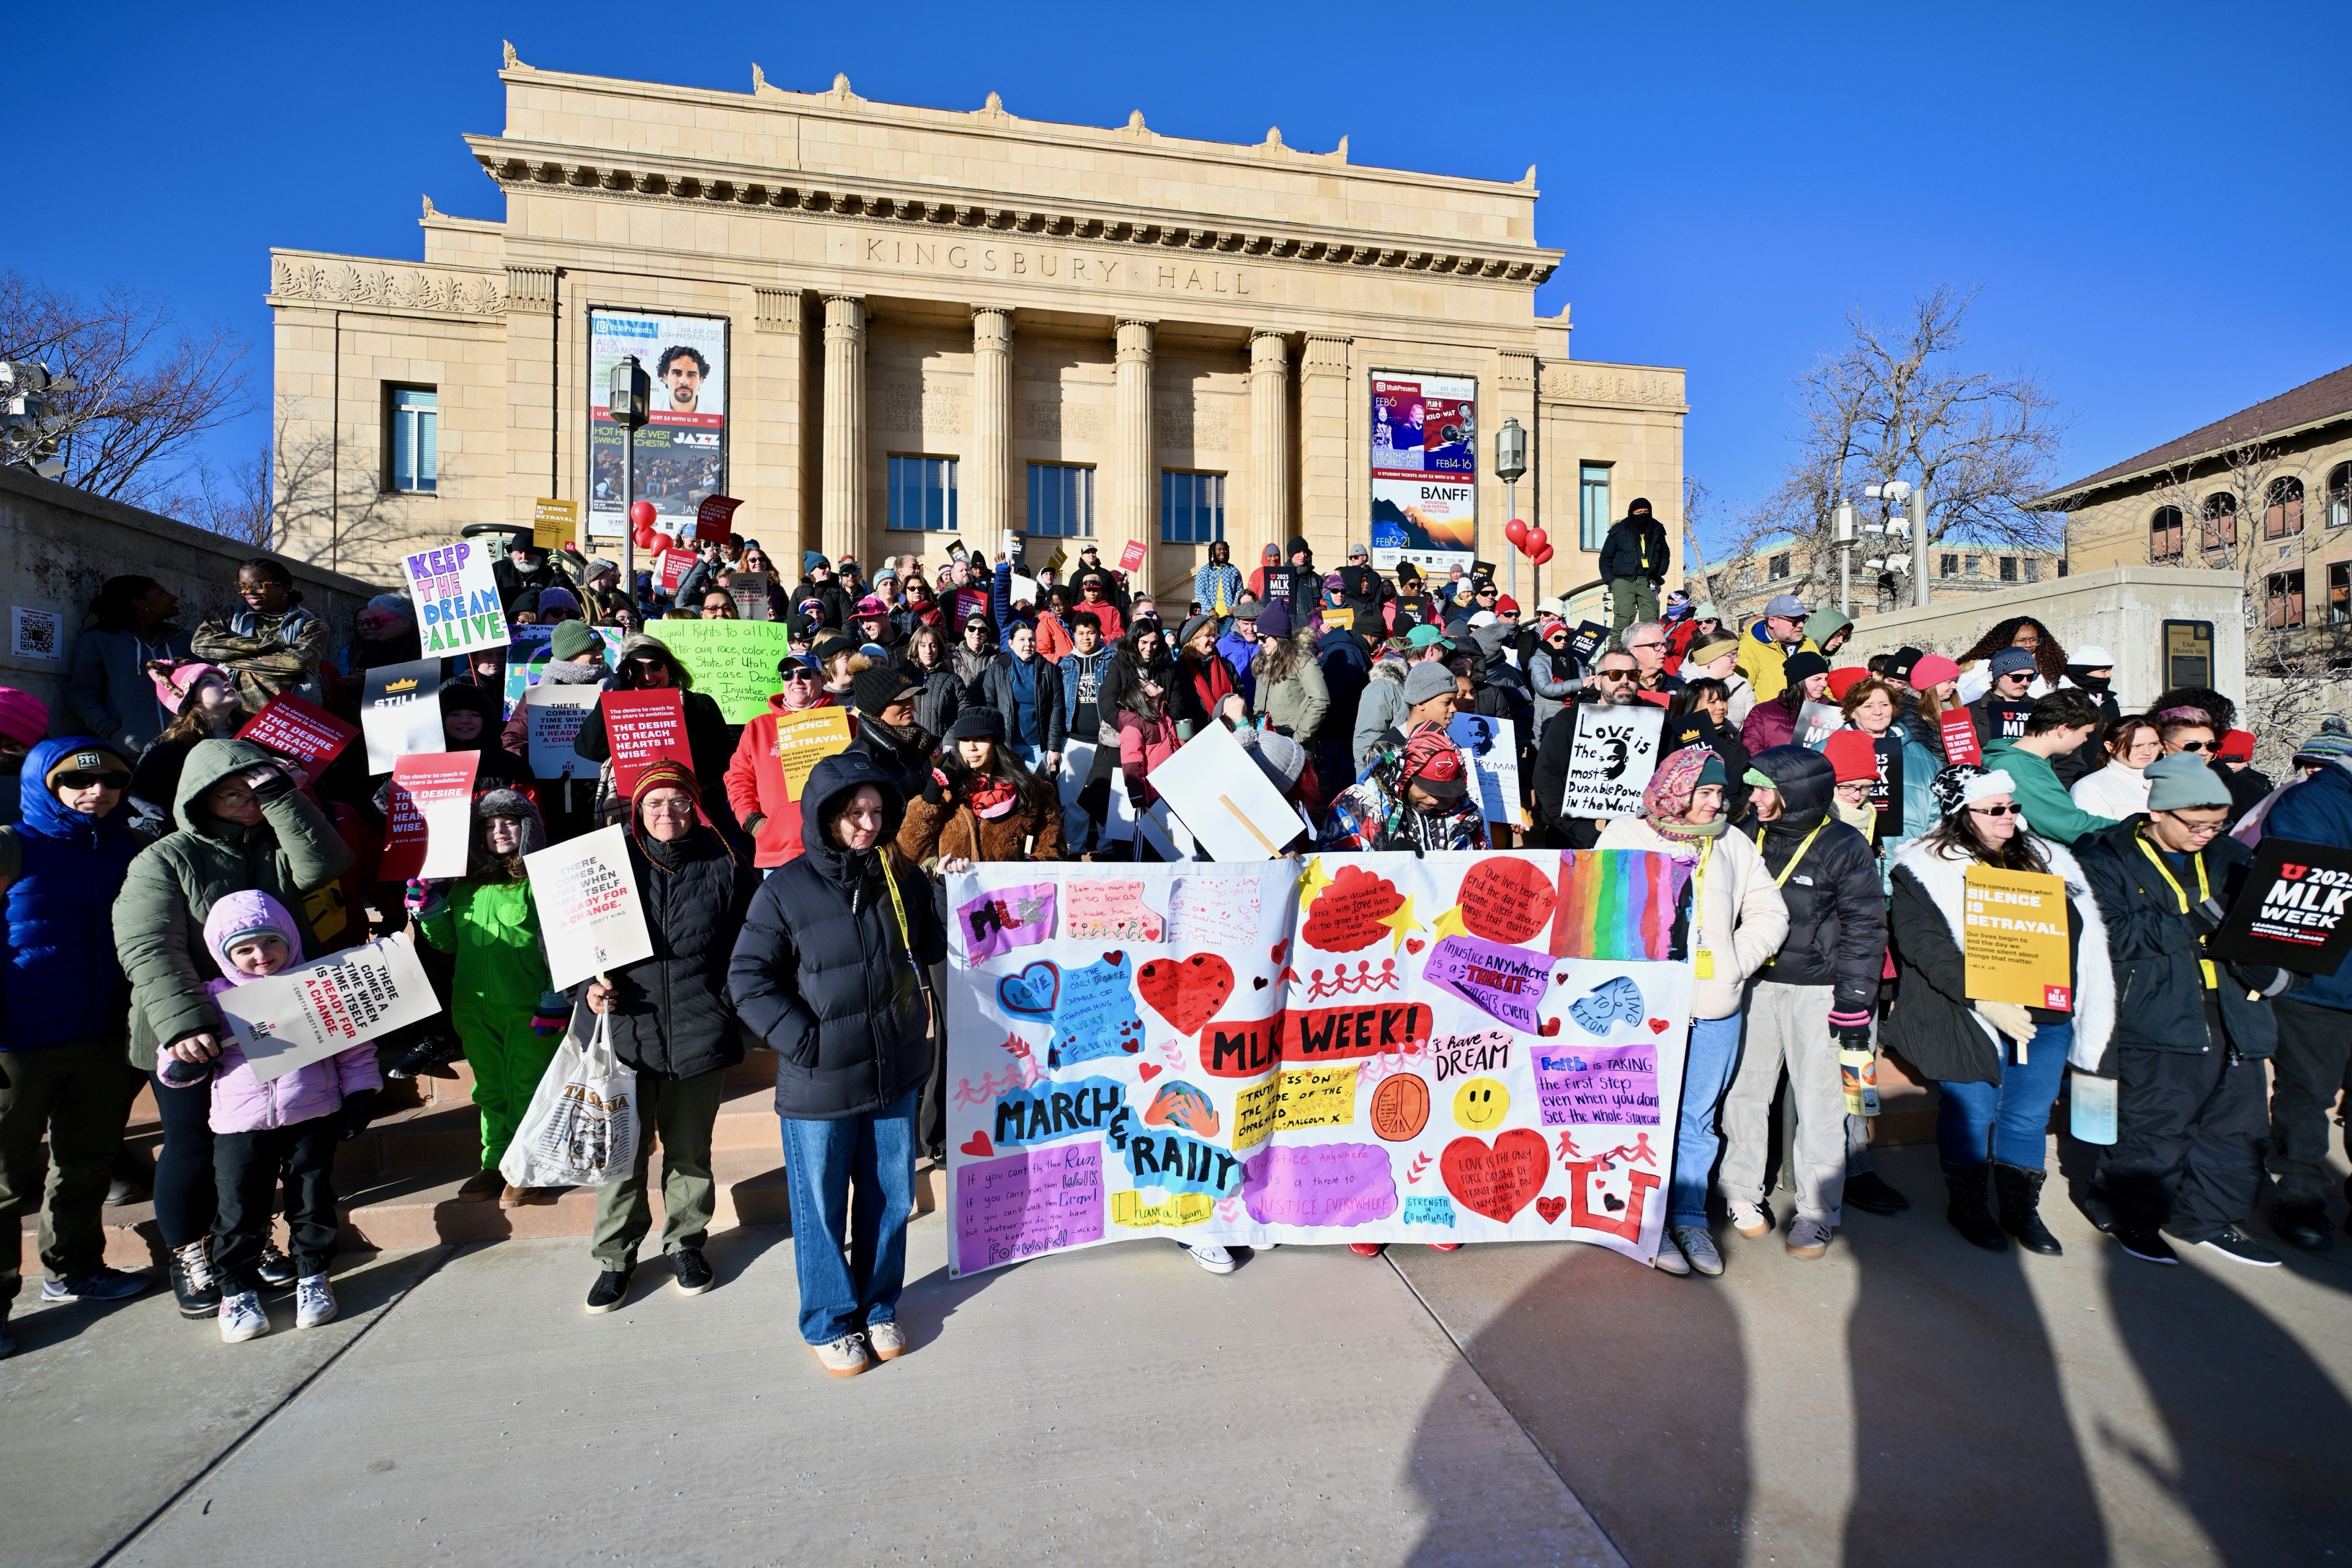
[(1808, 1238), (843, 1357), (1670, 1256), (1750, 1220), (1210, 1256), (241, 1317), (314, 1302), (1699, 1246), (888, 1340)]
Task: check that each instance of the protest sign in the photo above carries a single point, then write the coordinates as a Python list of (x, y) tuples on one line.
[(1491, 747), (309, 1012), (555, 524), (641, 726), (1341, 1060), (1335, 618), (1586, 643), (1693, 728), (589, 917), (2292, 911), (1611, 759), (555, 714), (1023, 590), (805, 739), (675, 564), (734, 662), (458, 605), (429, 828), (1887, 795), (1816, 721), (714, 519), (1278, 581), (971, 602), (752, 602), (1231, 807), (2007, 719), (1958, 729), (400, 711), (2013, 938), (300, 730), (1130, 555)]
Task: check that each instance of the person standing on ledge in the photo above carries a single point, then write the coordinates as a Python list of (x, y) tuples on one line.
[(1633, 564)]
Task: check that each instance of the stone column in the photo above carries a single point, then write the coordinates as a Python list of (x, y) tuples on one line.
[(842, 512), (1325, 464), (768, 464), (987, 480), (1269, 394), (1129, 513), (534, 468)]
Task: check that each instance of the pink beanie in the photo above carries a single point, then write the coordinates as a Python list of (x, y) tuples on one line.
[(173, 690), (23, 718)]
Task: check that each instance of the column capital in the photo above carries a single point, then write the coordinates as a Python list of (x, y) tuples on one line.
[(1135, 340), (1270, 349), (992, 327), (1327, 352), (845, 317), (776, 310)]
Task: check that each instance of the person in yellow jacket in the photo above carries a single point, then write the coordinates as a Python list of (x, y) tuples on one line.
[(1765, 647)]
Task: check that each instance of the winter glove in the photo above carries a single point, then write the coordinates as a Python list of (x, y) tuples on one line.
[(359, 1110), (2010, 1018), (935, 789), (554, 1010), (1851, 1030)]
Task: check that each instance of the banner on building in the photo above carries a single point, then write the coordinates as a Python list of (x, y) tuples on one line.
[(429, 824), (1425, 470), (1610, 758), (1386, 1048), (681, 453), (589, 917), (301, 732), (456, 599), (311, 1012)]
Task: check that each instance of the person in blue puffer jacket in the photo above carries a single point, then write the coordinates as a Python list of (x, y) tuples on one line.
[(63, 1072)]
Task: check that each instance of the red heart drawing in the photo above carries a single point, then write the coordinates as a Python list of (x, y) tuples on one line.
[(1147, 1071), (1413, 945), (1659, 1026), (1131, 1047), (1561, 977), (1551, 1209), (1186, 992), (1550, 1027), (1497, 1182), (978, 1146), (1278, 950)]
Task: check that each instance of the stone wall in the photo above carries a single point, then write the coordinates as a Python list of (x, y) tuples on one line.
[(58, 545)]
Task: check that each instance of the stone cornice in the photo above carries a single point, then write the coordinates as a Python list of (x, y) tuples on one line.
[(297, 276), (1586, 383), (526, 165)]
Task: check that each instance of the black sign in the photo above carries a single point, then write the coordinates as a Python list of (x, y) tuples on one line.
[(1693, 728), (1278, 581), (1887, 795), (1587, 642), (2293, 910), (2007, 719)]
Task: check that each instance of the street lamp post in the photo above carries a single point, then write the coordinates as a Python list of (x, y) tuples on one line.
[(1842, 530), (631, 390), (1510, 467)]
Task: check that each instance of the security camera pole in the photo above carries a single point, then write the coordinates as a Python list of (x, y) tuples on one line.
[(631, 390)]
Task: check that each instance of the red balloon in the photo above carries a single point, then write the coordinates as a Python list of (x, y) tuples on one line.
[(642, 514), (664, 541), (1517, 532), (1541, 556), (1536, 541), (643, 537)]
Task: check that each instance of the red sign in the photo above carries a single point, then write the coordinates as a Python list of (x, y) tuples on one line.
[(675, 565), (1130, 556), (971, 602), (714, 519), (299, 730), (429, 829), (1959, 729), (642, 727)]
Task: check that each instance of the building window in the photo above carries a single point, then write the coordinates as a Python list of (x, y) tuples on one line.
[(1061, 500), (1969, 567), (1948, 567), (2165, 534), (923, 494), (1592, 505), (2033, 568), (2220, 521), (2062, 566), (2339, 593), (2286, 592), (416, 438), (1191, 508), (1780, 568), (2283, 511), (2008, 568), (2339, 495)]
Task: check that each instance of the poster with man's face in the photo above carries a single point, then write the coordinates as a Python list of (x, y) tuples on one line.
[(681, 452)]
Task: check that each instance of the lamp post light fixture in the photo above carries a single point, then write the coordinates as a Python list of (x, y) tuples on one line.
[(1510, 467), (625, 401)]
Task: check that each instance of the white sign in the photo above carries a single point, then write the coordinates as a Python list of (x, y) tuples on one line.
[(313, 1010), (457, 598), (555, 714), (35, 633), (1490, 747), (1816, 721), (589, 916), (1216, 790), (1614, 753)]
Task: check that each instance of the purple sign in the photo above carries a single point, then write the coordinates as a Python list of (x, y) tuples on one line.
[(1504, 982), (1024, 1205), (1611, 1085), (997, 923), (1319, 1183)]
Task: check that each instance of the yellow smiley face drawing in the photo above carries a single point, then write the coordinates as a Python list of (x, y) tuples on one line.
[(1481, 1104)]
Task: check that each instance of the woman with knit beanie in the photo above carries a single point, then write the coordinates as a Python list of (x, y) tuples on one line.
[(1731, 926)]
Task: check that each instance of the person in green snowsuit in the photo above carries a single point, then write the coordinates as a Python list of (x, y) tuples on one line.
[(505, 1016)]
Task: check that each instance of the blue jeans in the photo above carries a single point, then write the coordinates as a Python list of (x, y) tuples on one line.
[(856, 1173), (2013, 1115), (1706, 1072)]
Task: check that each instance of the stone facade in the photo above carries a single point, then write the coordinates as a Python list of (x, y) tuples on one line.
[(957, 284)]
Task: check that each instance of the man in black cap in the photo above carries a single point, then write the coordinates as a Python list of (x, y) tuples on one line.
[(884, 697)]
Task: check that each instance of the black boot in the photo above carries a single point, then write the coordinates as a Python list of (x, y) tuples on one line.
[(194, 1281), (1868, 1191), (2020, 1205), (430, 1057), (1968, 1213)]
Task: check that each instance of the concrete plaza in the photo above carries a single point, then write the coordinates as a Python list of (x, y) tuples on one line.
[(1905, 1400)]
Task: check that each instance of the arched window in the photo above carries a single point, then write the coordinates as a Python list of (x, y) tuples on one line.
[(2283, 510), (2220, 520), (2165, 534), (2339, 495)]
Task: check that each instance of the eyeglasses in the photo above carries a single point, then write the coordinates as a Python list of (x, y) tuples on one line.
[(2010, 810), (83, 781), (2196, 830), (1615, 675), (2196, 745), (680, 808), (1643, 647), (234, 799)]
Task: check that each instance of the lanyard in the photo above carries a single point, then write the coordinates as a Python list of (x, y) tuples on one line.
[(1783, 880), (2204, 891), (1698, 887), (897, 908)]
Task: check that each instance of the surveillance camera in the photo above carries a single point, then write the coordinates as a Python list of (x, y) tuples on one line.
[(50, 468)]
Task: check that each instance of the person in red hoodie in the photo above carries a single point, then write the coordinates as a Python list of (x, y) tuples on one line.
[(756, 787)]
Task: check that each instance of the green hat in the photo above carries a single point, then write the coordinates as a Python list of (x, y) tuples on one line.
[(571, 639), (1422, 636)]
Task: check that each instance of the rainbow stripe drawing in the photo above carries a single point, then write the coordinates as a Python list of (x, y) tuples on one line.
[(1616, 904)]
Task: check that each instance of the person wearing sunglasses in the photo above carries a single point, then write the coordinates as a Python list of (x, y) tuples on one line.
[(2191, 1093), (758, 788), (2000, 713), (1998, 1065), (1615, 682), (2055, 727)]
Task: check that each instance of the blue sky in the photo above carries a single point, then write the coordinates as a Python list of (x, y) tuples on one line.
[(2150, 198)]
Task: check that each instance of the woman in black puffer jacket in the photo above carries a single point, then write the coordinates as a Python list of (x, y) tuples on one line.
[(829, 972), (672, 1021)]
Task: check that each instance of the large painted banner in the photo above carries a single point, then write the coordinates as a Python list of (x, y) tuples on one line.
[(1425, 470), (1371, 1048), (682, 450)]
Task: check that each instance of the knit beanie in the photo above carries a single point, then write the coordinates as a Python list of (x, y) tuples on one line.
[(2184, 782), (2011, 661), (978, 725), (1803, 667), (172, 690), (571, 639), (1930, 671), (1961, 786), (1274, 621), (1852, 755), (88, 756), (877, 686), (1845, 680)]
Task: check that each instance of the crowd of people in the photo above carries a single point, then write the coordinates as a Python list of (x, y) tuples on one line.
[(1829, 808)]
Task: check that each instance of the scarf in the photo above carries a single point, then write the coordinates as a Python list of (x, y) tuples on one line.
[(992, 797), (563, 672)]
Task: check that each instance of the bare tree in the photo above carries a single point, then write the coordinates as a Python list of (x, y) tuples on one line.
[(1897, 403), (144, 394), (239, 507)]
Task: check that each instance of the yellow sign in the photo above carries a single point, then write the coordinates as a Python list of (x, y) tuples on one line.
[(1183, 1208), (1316, 1097), (2014, 926), (807, 739), (553, 522), (1343, 619)]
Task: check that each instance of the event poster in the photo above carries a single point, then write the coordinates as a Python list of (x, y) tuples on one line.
[(1425, 470), (1371, 1048), (1611, 759), (311, 1012), (456, 599), (2294, 910), (682, 450), (589, 917), (643, 727)]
